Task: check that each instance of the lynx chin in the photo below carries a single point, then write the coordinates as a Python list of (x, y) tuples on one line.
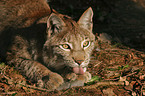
[(58, 57)]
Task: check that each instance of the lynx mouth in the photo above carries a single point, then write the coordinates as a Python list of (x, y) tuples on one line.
[(78, 70)]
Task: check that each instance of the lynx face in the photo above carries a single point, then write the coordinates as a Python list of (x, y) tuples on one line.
[(64, 52), (69, 44)]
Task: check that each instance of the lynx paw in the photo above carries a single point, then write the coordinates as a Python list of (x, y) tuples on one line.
[(71, 77), (79, 81), (87, 76), (51, 81)]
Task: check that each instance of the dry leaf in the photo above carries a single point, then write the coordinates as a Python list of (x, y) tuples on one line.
[(132, 83), (143, 92), (109, 92), (142, 77), (122, 78), (134, 94)]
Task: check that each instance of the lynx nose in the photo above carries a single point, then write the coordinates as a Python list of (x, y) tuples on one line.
[(79, 61), (78, 57)]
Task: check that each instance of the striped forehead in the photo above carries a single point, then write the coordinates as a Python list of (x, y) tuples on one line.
[(71, 32), (73, 37)]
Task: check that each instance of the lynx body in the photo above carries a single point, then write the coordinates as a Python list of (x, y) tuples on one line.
[(56, 56)]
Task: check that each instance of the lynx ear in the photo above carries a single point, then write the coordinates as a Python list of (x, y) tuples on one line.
[(54, 24), (85, 20)]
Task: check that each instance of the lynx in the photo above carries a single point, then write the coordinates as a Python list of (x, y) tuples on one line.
[(58, 57)]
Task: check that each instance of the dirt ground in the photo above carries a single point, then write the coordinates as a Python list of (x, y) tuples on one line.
[(118, 61)]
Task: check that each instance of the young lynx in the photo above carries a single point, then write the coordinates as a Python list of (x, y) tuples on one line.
[(57, 58)]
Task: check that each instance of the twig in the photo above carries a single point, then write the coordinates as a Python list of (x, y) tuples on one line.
[(131, 74), (141, 91), (36, 88), (5, 76), (97, 64), (119, 78), (141, 86), (7, 93), (11, 93), (111, 79), (104, 84), (109, 49)]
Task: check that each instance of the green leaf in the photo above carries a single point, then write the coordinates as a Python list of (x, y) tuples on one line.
[(123, 67), (93, 80), (14, 94), (2, 65)]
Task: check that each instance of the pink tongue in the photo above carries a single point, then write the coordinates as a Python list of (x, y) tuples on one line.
[(78, 70)]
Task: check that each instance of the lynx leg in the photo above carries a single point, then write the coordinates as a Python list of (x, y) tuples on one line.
[(36, 72)]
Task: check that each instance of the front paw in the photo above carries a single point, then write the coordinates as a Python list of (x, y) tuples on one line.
[(51, 81), (70, 77), (79, 80), (85, 77)]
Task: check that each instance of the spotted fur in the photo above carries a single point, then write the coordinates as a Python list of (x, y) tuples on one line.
[(56, 58)]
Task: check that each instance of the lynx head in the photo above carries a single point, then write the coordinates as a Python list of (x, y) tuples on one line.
[(69, 43)]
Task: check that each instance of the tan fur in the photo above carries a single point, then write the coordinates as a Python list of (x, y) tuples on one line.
[(21, 13), (37, 51)]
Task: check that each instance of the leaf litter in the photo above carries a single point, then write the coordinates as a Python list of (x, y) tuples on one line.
[(115, 70)]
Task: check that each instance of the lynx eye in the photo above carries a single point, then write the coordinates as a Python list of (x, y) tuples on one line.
[(86, 43), (65, 46)]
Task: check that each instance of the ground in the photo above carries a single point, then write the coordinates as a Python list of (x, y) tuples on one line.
[(116, 70), (117, 64)]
